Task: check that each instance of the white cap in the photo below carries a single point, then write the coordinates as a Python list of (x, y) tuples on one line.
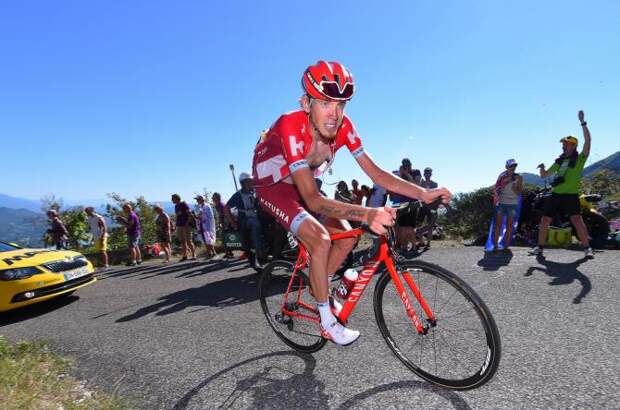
[(244, 176), (510, 163)]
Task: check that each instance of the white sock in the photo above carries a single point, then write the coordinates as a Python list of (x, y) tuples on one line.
[(327, 318)]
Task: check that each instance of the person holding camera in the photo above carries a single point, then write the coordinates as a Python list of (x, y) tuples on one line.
[(564, 199)]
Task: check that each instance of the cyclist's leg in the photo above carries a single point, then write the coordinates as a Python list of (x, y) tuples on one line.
[(315, 238), (341, 248), (284, 203)]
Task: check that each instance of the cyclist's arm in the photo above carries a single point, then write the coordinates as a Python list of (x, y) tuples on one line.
[(304, 181), (393, 183)]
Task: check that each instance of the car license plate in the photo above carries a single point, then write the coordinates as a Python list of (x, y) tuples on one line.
[(76, 273)]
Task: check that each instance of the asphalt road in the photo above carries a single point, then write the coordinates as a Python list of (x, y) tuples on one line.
[(192, 335)]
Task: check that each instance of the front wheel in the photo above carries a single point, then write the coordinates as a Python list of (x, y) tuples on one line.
[(284, 298), (461, 349)]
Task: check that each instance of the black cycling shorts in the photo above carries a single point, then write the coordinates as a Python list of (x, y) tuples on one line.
[(562, 204)]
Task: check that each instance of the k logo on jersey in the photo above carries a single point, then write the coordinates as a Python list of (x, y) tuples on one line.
[(297, 147)]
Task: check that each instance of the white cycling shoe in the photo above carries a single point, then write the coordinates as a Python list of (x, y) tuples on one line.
[(339, 334)]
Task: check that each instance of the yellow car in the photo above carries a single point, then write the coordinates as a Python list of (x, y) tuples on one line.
[(29, 276)]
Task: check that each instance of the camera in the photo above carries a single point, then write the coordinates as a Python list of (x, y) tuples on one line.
[(557, 181)]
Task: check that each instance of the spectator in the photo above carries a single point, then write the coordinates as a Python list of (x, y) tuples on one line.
[(99, 230), (364, 194), (205, 224), (163, 231), (405, 173), (427, 182), (132, 226), (244, 200), (508, 187), (58, 231), (568, 170), (378, 196), (356, 196), (343, 194), (222, 221), (184, 220), (416, 175), (319, 186), (405, 223)]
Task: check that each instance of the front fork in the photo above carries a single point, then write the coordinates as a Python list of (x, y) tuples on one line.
[(431, 321)]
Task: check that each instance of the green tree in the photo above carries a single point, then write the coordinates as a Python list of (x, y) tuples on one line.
[(470, 213), (75, 222)]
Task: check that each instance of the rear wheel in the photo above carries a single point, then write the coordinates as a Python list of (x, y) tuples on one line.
[(301, 334), (461, 349)]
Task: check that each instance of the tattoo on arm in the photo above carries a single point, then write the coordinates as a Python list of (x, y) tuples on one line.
[(342, 214)]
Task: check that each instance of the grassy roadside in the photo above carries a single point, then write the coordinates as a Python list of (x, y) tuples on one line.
[(31, 377)]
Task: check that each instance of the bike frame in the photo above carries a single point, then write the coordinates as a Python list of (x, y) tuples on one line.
[(383, 255)]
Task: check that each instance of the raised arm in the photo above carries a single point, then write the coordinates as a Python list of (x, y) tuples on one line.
[(396, 184), (586, 134)]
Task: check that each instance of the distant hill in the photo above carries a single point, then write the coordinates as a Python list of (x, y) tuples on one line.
[(19, 203), (22, 226), (611, 163)]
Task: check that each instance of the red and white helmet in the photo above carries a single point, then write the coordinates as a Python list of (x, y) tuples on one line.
[(328, 81)]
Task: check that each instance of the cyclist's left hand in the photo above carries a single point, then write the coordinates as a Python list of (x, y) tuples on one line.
[(431, 194), (379, 218)]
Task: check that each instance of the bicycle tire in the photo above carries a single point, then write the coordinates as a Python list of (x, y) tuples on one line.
[(472, 315), (302, 335)]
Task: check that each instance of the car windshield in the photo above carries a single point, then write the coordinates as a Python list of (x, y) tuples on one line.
[(4, 247)]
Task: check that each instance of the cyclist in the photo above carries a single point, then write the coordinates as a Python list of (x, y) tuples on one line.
[(301, 145)]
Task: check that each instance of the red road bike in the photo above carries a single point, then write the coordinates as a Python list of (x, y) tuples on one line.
[(432, 321)]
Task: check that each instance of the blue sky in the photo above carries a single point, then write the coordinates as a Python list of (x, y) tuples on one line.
[(157, 97)]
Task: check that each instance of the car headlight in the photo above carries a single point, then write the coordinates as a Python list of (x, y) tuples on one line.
[(18, 273)]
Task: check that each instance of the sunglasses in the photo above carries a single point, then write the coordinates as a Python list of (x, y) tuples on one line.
[(331, 89)]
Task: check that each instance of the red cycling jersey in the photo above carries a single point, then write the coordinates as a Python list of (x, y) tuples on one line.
[(287, 144)]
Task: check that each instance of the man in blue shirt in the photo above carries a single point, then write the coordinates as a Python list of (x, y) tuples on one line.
[(244, 200)]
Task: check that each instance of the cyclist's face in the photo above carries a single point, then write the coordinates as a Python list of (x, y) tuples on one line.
[(326, 116)]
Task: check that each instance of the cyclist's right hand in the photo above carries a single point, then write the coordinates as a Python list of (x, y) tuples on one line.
[(378, 218), (432, 194)]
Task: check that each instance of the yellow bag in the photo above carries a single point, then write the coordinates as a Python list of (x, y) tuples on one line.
[(559, 236)]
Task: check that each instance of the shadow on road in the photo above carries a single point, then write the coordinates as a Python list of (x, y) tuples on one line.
[(563, 274), (493, 261), (286, 380), (38, 309), (272, 384), (226, 292), (188, 268), (357, 401)]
